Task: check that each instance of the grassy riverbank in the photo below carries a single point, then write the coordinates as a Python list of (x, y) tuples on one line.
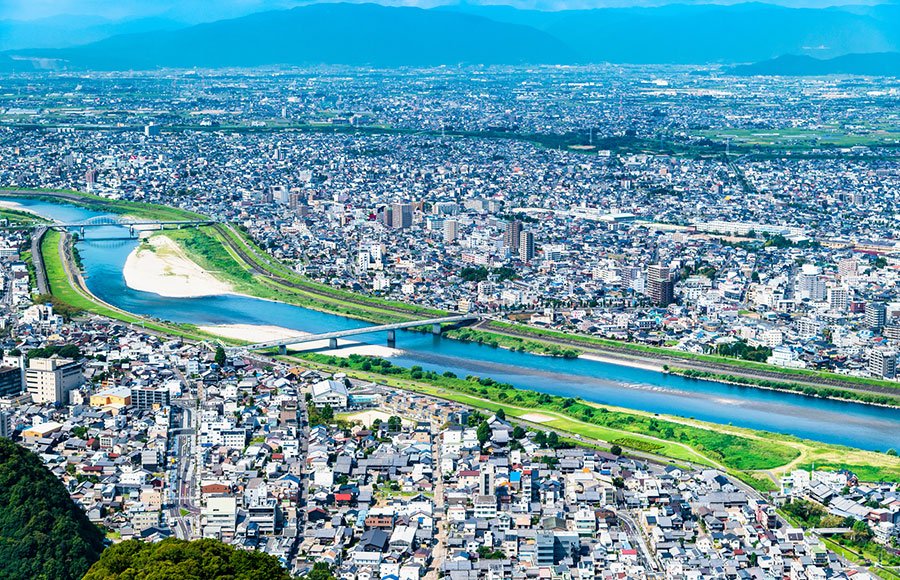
[(64, 289), (642, 349), (756, 456), (231, 255), (824, 392), (205, 247)]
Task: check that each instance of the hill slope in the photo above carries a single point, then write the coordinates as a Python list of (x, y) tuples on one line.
[(355, 34), (182, 560), (874, 64), (43, 534)]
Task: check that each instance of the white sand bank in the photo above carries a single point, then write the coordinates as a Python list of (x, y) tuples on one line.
[(164, 269)]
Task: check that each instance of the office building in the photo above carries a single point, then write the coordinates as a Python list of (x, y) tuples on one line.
[(49, 380), (526, 246), (660, 285), (10, 381)]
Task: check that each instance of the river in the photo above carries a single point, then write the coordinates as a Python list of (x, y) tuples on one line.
[(853, 424)]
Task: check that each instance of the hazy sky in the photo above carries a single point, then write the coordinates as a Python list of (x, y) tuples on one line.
[(204, 10)]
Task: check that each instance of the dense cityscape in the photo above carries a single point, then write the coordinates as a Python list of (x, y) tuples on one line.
[(735, 221)]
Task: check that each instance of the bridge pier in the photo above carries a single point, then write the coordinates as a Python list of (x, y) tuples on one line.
[(392, 338), (436, 328), (81, 236), (332, 343), (282, 349)]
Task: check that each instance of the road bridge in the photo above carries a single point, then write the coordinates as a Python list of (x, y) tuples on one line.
[(133, 225), (332, 337)]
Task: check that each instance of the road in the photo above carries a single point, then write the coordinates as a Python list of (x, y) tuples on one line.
[(37, 258)]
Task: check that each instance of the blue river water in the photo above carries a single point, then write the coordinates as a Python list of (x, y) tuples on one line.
[(853, 424)]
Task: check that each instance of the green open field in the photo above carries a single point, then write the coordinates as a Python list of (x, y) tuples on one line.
[(800, 138)]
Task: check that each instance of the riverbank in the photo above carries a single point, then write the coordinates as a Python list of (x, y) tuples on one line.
[(757, 457), (159, 265), (236, 260)]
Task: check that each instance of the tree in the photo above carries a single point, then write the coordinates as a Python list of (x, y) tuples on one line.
[(220, 358), (483, 432), (182, 560), (43, 534), (552, 440), (518, 432), (320, 571), (500, 414), (615, 450)]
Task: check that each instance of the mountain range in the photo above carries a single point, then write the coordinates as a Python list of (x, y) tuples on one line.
[(376, 35), (872, 64)]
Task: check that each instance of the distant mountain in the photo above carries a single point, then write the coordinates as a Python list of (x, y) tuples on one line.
[(873, 64), (72, 30), (357, 34), (43, 534), (710, 33), (369, 34)]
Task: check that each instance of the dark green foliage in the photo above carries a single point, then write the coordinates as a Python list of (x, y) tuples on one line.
[(66, 351), (323, 416), (43, 534), (220, 358), (744, 351), (174, 559)]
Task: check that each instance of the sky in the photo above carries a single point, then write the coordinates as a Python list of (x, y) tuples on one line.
[(206, 10)]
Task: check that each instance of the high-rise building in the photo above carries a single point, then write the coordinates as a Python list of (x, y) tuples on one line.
[(401, 215), (838, 299), (451, 230), (847, 268), (660, 285), (90, 178), (526, 246), (811, 285), (883, 363), (486, 481), (513, 235), (49, 380), (10, 381), (876, 315)]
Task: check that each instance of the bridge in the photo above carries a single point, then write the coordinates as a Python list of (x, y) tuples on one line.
[(332, 337), (133, 224)]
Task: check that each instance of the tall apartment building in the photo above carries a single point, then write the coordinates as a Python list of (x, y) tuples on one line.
[(147, 398), (49, 380), (526, 246), (883, 363), (876, 315), (660, 285), (401, 216), (451, 231), (512, 235), (838, 299)]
